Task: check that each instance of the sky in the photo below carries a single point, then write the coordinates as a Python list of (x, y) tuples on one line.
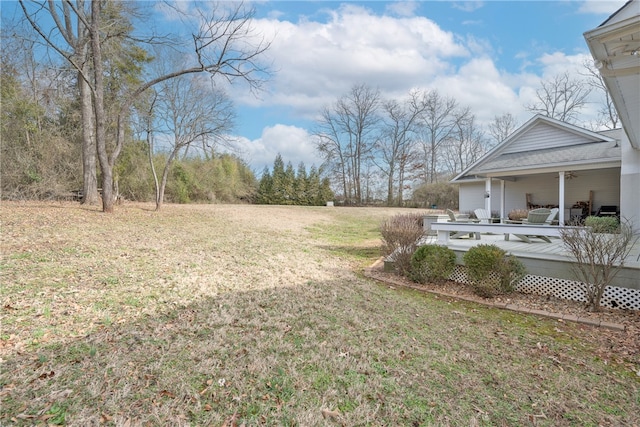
[(490, 56)]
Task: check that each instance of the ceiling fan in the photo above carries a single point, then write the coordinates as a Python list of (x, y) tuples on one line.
[(569, 175)]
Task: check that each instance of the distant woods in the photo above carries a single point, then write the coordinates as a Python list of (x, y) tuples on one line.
[(80, 80)]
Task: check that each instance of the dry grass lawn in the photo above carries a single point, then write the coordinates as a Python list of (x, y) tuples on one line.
[(259, 315)]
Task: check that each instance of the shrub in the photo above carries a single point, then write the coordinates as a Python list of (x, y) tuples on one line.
[(432, 263), (441, 194), (598, 255), (400, 237), (603, 224), (492, 271)]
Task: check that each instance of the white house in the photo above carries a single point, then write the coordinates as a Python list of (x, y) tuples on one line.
[(546, 162), (550, 163)]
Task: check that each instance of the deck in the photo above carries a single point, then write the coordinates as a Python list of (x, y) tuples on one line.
[(542, 258)]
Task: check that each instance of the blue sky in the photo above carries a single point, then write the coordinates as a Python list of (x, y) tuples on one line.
[(487, 55)]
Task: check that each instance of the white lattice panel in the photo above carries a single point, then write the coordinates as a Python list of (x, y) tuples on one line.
[(613, 297)]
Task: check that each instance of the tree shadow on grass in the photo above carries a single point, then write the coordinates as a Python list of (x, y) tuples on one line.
[(281, 356)]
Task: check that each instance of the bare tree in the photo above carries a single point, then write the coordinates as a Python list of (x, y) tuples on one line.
[(224, 46), (436, 125), (607, 114), (346, 136), (466, 143), (188, 110), (69, 37), (599, 254), (560, 98), (397, 141), (502, 126)]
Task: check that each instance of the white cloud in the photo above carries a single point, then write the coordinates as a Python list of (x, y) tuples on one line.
[(294, 144), (601, 7), (468, 6), (320, 60), (402, 8)]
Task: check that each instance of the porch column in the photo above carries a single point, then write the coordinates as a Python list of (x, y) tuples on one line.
[(487, 195), (502, 198), (561, 197)]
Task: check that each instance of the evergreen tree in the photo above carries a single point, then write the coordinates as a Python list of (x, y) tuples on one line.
[(265, 188), (300, 187), (286, 187), (278, 182), (313, 186), (289, 185)]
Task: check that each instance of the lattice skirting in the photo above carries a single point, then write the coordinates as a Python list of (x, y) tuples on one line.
[(613, 297)]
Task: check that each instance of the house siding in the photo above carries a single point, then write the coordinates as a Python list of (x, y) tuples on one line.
[(471, 196), (542, 136), (630, 184)]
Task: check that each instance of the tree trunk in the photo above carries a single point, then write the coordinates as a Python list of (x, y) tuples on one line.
[(101, 143), (390, 184), (89, 176)]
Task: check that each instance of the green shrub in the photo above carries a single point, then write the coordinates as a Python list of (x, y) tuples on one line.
[(400, 237), (432, 263), (492, 271), (603, 224)]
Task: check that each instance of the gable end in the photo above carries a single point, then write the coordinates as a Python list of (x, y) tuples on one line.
[(542, 136)]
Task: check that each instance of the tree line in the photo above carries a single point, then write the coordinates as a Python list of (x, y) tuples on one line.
[(115, 72), (375, 147), (284, 186), (94, 99)]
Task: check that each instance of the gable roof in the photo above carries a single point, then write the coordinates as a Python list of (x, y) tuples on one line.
[(615, 47), (545, 145)]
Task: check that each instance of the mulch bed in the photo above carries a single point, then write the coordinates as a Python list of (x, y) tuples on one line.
[(616, 332)]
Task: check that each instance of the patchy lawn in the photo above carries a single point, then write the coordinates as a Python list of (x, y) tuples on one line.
[(231, 315)]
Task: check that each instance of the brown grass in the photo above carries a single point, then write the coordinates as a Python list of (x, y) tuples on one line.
[(231, 315)]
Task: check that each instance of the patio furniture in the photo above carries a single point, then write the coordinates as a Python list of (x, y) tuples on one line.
[(462, 220), (542, 216), (485, 216), (608, 210), (539, 214)]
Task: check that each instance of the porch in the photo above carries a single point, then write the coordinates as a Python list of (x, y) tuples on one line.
[(549, 265)]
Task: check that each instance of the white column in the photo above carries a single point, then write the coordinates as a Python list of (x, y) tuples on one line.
[(503, 214), (487, 195), (561, 218)]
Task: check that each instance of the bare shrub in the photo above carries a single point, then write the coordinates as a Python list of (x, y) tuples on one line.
[(400, 237), (599, 254)]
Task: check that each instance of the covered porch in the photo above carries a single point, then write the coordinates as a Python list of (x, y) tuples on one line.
[(577, 193), (546, 163), (549, 266)]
